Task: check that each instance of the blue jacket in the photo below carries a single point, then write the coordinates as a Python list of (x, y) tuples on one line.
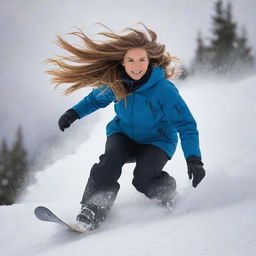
[(154, 114)]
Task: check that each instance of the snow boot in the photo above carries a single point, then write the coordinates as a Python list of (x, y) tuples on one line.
[(164, 192), (89, 217), (169, 201), (94, 212), (169, 197)]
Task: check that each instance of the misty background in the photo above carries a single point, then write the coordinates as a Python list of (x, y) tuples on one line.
[(28, 32)]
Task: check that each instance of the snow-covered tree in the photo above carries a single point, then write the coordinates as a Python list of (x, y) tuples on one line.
[(13, 169), (227, 52)]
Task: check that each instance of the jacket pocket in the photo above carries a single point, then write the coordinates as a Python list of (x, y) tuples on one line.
[(116, 119), (152, 110), (162, 133), (155, 108), (178, 109)]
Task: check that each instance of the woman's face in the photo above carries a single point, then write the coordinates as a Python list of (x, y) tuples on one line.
[(136, 63)]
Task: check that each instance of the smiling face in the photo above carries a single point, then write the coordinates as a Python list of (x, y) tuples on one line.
[(136, 63)]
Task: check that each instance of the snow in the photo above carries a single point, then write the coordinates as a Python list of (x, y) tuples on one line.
[(216, 218)]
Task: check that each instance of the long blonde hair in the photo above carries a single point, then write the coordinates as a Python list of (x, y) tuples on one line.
[(99, 62)]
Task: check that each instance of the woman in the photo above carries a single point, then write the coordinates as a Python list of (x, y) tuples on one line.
[(132, 71)]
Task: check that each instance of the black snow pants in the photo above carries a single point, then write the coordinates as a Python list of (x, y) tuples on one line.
[(148, 179)]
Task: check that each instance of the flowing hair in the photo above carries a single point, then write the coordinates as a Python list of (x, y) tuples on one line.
[(97, 63)]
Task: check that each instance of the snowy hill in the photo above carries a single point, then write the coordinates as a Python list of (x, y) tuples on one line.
[(217, 218)]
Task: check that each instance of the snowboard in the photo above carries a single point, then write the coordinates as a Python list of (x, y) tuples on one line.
[(44, 214)]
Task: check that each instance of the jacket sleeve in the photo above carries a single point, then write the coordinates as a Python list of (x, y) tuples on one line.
[(97, 98), (183, 122)]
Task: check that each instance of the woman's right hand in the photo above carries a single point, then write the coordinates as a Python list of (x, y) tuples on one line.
[(67, 119)]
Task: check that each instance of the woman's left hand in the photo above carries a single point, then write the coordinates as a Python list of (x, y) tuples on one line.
[(195, 170)]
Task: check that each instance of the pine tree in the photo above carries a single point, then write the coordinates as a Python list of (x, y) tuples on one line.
[(201, 62), (13, 170), (227, 52), (223, 42), (4, 166), (18, 165), (243, 51)]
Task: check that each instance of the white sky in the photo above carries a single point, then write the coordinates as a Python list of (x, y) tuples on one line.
[(176, 22)]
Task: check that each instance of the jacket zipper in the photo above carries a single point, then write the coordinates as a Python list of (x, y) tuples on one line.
[(132, 113)]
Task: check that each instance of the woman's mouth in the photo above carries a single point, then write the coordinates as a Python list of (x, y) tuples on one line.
[(136, 72)]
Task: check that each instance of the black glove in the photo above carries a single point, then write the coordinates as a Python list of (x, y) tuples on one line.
[(67, 119), (195, 169)]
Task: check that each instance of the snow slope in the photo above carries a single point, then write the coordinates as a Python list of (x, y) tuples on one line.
[(217, 218)]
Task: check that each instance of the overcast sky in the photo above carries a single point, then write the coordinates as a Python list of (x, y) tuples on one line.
[(28, 30)]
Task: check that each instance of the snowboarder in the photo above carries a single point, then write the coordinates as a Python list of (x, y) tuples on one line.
[(132, 70)]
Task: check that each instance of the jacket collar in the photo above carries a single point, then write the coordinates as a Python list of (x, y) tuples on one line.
[(153, 74), (157, 74)]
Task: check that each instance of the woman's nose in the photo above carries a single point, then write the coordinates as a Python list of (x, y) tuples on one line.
[(136, 65)]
